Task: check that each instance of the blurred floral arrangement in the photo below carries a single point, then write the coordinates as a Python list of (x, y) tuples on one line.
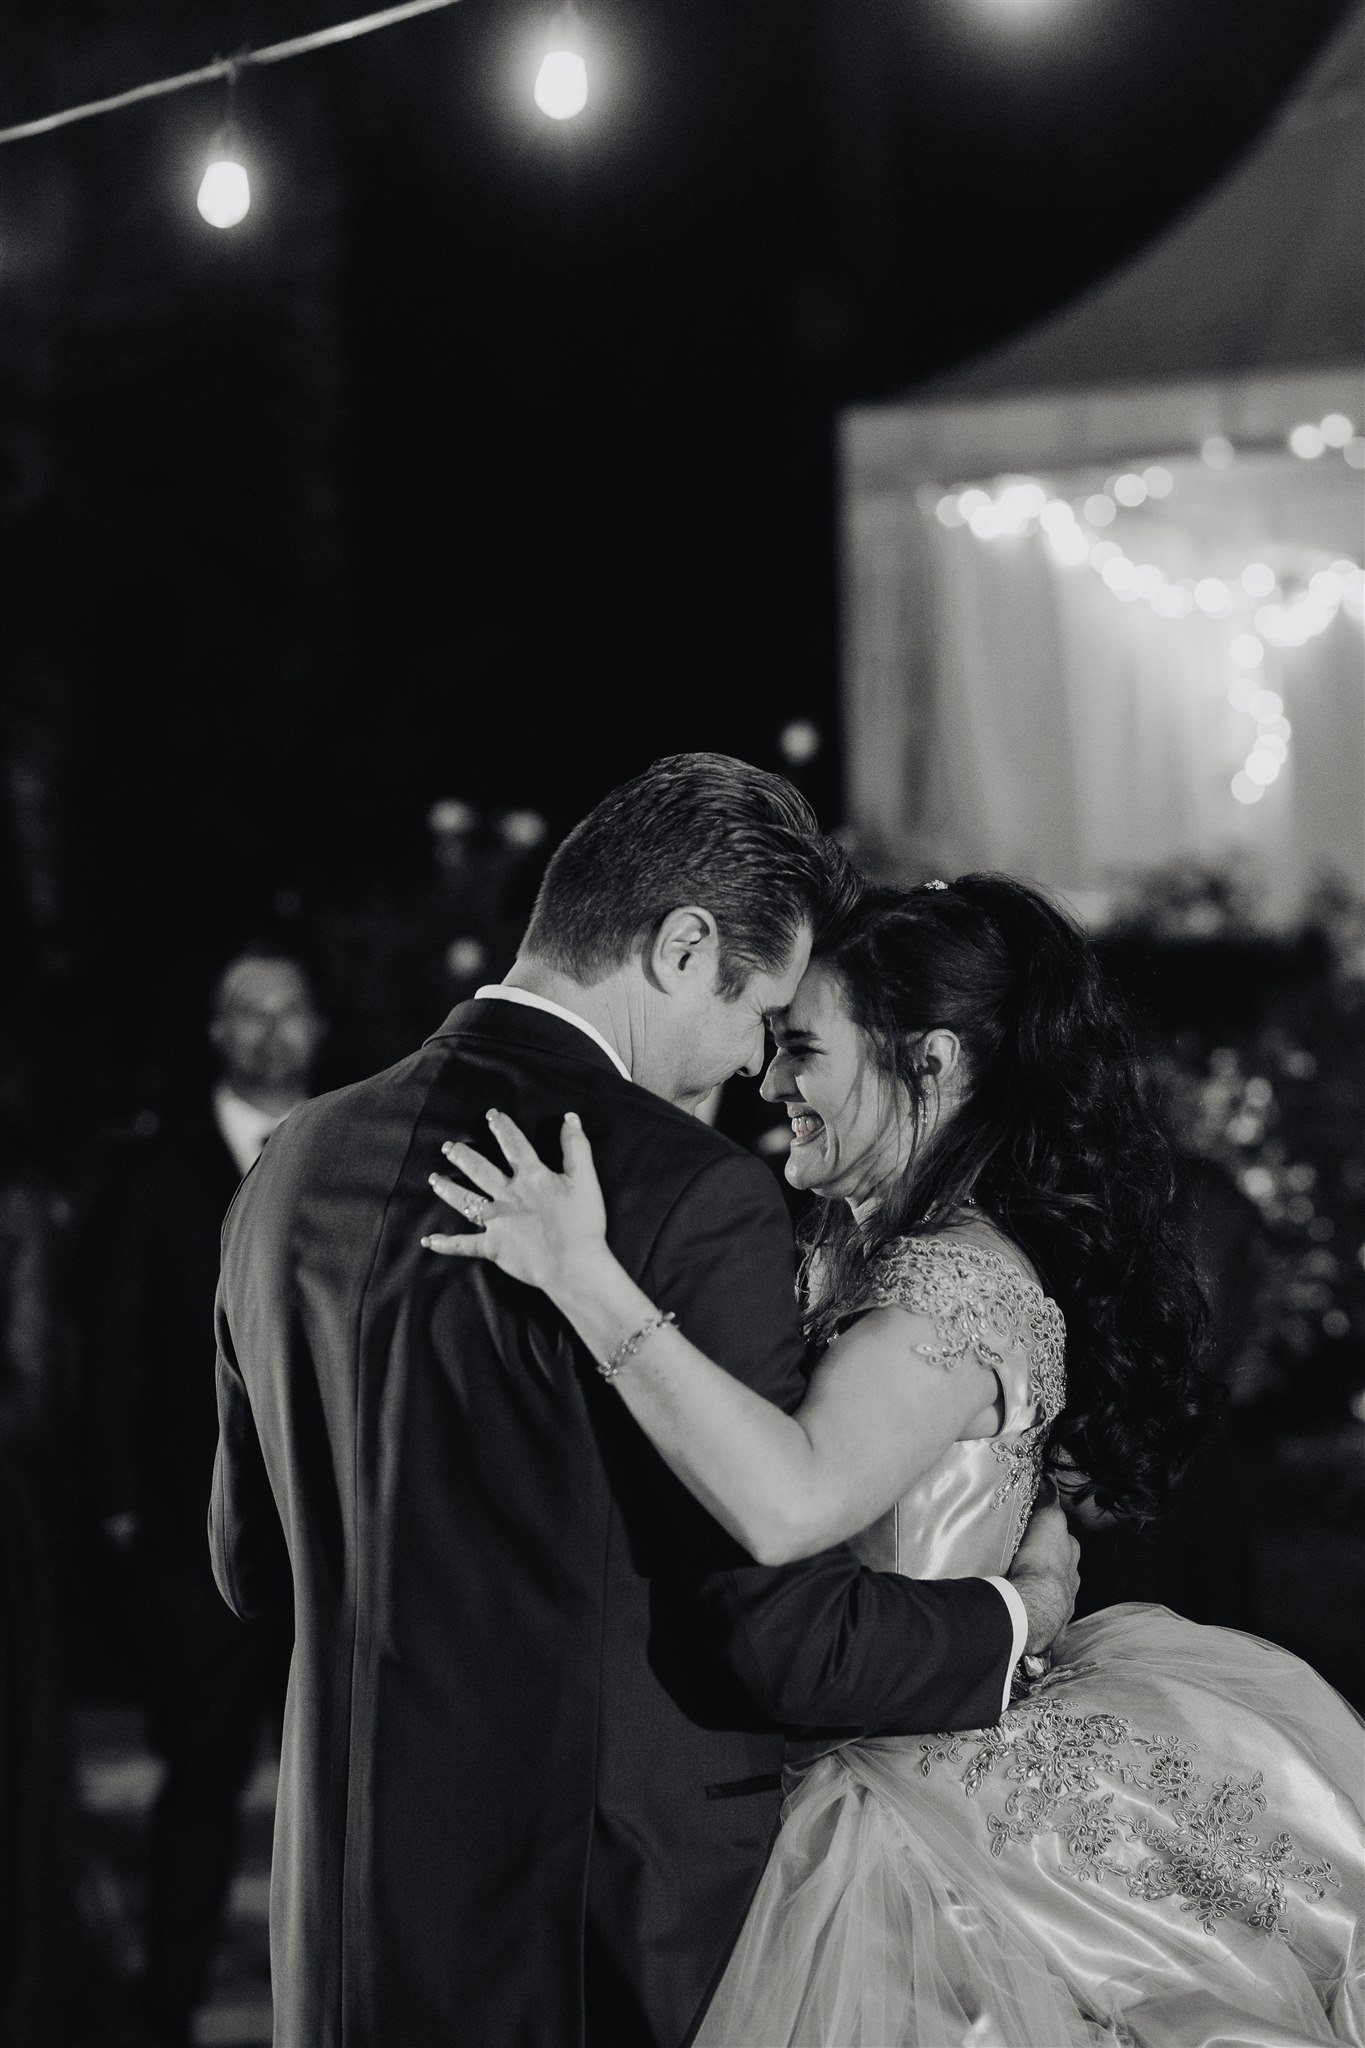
[(1278, 1108)]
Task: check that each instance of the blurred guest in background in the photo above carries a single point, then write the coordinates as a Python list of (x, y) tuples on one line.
[(210, 1682)]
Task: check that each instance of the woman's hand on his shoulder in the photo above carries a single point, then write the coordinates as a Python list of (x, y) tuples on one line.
[(540, 1226)]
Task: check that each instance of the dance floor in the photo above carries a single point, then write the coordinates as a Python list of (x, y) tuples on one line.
[(117, 1783)]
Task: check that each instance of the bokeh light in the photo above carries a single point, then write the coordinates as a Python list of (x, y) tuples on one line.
[(451, 817), (1070, 546), (799, 741), (523, 829)]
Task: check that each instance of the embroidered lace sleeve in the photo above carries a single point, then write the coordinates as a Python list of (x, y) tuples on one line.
[(978, 1300)]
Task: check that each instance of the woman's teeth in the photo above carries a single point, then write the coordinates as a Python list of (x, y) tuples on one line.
[(805, 1126)]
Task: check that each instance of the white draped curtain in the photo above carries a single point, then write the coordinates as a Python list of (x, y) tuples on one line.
[(1007, 711)]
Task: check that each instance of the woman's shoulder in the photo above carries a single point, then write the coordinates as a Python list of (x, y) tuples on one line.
[(976, 1287)]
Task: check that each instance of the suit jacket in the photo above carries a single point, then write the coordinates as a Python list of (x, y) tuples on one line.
[(531, 1748)]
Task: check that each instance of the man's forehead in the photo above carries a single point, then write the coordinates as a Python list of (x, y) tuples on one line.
[(789, 1016), (797, 961)]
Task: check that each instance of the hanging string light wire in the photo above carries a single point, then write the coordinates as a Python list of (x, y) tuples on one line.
[(227, 67)]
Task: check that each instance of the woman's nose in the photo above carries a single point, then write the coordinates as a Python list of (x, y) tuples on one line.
[(774, 1087)]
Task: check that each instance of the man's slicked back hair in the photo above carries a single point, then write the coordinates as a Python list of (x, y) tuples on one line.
[(701, 829)]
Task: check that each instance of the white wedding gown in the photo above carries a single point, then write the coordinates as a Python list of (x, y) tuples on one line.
[(1160, 1846)]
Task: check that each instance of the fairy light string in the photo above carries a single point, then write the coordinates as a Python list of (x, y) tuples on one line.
[(1283, 609), (227, 67)]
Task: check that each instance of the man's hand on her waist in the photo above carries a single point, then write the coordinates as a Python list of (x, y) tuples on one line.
[(1046, 1573)]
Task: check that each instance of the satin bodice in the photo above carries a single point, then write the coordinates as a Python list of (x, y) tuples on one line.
[(964, 1516)]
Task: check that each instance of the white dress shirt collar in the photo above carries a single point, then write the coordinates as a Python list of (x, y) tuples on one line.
[(498, 992), (243, 1128)]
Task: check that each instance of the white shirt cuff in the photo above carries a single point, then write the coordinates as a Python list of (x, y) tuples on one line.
[(1019, 1623)]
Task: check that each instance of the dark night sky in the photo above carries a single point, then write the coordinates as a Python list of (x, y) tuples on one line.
[(490, 458)]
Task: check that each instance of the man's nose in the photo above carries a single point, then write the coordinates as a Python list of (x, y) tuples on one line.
[(754, 1064)]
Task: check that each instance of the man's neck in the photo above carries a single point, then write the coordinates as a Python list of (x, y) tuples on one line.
[(605, 1005)]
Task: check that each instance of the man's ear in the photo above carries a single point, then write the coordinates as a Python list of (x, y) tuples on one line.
[(685, 950)]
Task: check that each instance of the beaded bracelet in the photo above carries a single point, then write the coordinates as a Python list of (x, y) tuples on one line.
[(609, 1367)]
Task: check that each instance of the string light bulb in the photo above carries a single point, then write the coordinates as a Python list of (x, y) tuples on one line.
[(561, 88), (224, 197)]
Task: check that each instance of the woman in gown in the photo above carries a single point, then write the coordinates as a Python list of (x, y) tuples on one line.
[(1161, 1844)]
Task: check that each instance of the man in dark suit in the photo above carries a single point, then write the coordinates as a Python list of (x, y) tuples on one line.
[(532, 1745), (208, 1682)]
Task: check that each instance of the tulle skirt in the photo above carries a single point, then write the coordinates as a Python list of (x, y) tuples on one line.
[(1161, 1847)]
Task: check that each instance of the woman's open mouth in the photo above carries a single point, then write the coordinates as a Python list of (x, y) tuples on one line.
[(805, 1126)]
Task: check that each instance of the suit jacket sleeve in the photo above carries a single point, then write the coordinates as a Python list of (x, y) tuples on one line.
[(824, 1646), (246, 1537)]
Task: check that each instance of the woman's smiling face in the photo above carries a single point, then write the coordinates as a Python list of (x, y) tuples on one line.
[(851, 1131)]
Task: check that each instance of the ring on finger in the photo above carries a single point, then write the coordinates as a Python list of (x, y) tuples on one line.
[(476, 1207)]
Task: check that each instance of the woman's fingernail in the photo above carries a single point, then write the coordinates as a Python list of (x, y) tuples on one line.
[(492, 1114), (432, 1179), (575, 1119), (426, 1244), (449, 1148)]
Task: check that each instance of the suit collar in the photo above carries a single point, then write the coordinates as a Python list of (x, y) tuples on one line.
[(538, 1030), (526, 999)]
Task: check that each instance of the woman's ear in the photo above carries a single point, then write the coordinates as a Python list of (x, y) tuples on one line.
[(941, 1053)]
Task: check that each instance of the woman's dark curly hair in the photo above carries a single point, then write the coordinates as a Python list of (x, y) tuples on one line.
[(1053, 1140)]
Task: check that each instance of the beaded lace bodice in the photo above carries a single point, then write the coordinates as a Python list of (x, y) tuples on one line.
[(967, 1513)]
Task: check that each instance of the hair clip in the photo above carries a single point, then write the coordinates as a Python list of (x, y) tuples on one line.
[(934, 885)]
